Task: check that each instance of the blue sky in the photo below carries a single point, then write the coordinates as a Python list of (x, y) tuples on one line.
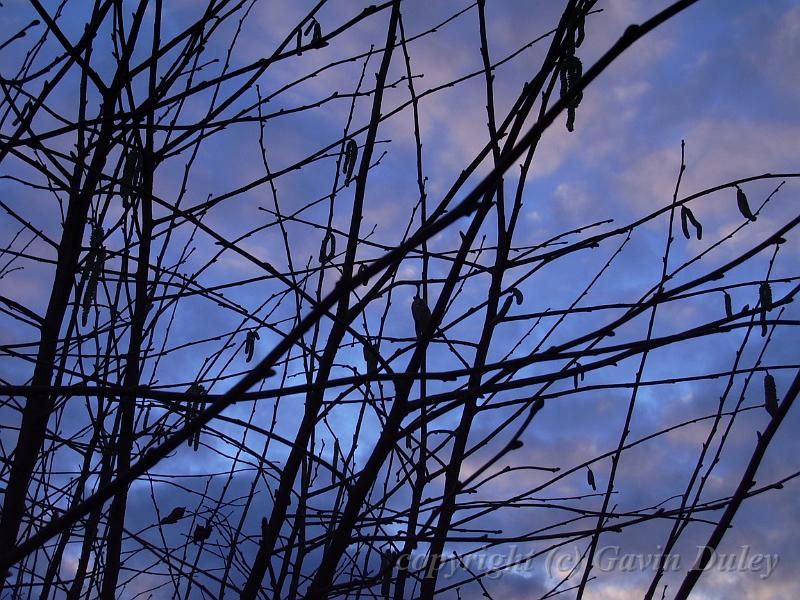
[(722, 76)]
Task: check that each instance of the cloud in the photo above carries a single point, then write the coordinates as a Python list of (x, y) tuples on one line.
[(717, 151)]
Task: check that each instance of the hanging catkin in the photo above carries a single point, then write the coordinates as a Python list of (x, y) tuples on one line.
[(131, 173), (94, 268), (744, 206), (571, 72), (770, 395)]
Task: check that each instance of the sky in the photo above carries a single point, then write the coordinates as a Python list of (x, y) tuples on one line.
[(722, 77)]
